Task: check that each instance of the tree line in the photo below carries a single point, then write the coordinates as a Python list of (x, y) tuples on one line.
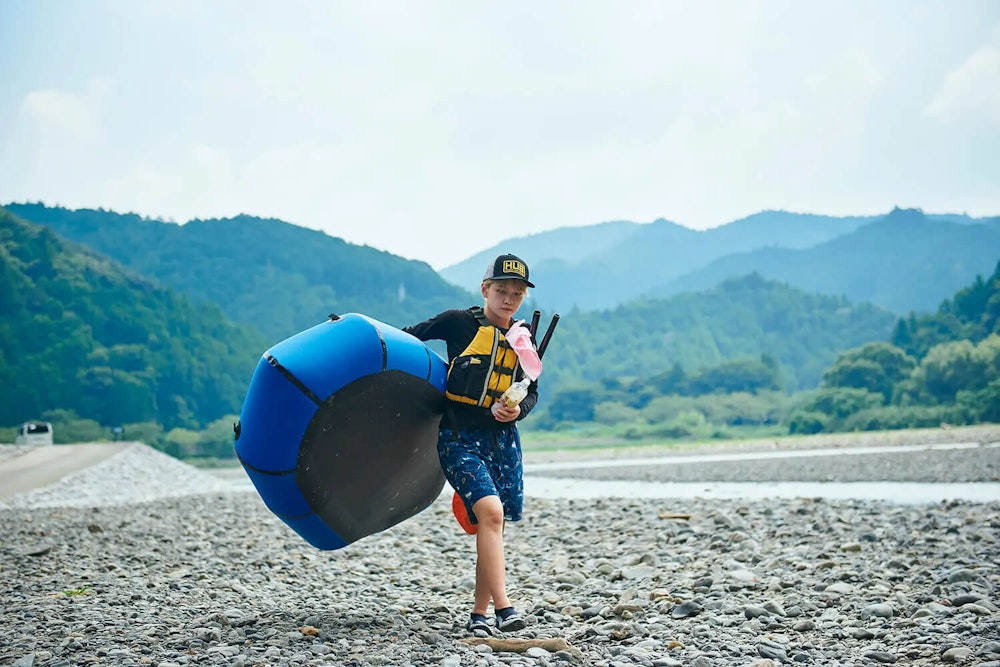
[(933, 369)]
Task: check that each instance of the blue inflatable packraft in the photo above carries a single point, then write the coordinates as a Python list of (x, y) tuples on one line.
[(338, 431)]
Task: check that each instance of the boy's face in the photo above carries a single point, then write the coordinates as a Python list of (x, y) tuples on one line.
[(503, 298)]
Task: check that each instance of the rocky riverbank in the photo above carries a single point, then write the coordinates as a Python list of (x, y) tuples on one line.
[(213, 578)]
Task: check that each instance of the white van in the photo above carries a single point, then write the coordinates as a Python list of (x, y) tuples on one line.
[(34, 433)]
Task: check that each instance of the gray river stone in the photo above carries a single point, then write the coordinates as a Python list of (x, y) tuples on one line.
[(206, 575)]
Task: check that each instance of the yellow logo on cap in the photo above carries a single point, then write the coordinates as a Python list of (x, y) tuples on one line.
[(514, 266)]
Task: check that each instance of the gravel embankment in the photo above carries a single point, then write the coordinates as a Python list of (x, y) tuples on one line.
[(138, 473), (173, 566)]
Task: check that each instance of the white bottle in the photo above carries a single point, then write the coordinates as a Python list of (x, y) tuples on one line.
[(515, 393)]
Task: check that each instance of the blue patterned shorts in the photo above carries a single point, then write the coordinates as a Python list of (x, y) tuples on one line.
[(485, 462)]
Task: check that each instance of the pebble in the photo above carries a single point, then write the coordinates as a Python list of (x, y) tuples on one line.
[(143, 560)]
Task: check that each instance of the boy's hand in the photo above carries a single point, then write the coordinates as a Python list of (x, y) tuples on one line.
[(504, 414)]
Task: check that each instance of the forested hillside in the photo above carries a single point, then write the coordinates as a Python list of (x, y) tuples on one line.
[(742, 317), (268, 274), (81, 333), (972, 314), (935, 369)]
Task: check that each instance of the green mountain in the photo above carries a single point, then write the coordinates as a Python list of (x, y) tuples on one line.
[(741, 317), (82, 333), (265, 273), (903, 261)]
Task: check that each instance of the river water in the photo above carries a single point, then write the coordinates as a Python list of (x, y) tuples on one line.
[(540, 486), (895, 492)]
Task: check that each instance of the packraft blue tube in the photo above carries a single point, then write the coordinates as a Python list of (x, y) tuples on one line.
[(338, 431)]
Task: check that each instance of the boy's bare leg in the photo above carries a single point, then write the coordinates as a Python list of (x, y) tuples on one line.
[(490, 565)]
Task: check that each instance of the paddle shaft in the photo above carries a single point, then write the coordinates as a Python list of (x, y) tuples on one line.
[(548, 334), (534, 326)]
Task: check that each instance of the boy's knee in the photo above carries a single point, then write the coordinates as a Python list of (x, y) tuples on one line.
[(489, 512)]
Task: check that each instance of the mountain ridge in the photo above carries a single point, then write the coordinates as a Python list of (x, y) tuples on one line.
[(278, 277), (878, 262), (663, 258)]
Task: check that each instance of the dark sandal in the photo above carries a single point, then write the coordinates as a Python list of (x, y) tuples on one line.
[(478, 623), (508, 620)]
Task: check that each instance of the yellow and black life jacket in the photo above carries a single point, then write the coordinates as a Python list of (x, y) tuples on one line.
[(485, 369)]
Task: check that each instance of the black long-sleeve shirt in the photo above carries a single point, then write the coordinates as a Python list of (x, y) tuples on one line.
[(457, 328)]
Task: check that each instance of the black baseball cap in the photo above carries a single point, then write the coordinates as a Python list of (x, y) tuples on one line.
[(506, 267)]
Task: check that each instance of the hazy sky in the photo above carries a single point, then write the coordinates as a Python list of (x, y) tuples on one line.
[(435, 129)]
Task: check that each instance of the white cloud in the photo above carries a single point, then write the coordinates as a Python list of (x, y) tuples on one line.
[(72, 113), (51, 143), (971, 92), (201, 185), (436, 128), (53, 109), (143, 189), (712, 160)]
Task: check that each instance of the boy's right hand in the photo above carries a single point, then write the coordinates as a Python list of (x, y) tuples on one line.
[(504, 414)]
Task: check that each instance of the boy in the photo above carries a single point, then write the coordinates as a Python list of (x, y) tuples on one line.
[(478, 443)]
